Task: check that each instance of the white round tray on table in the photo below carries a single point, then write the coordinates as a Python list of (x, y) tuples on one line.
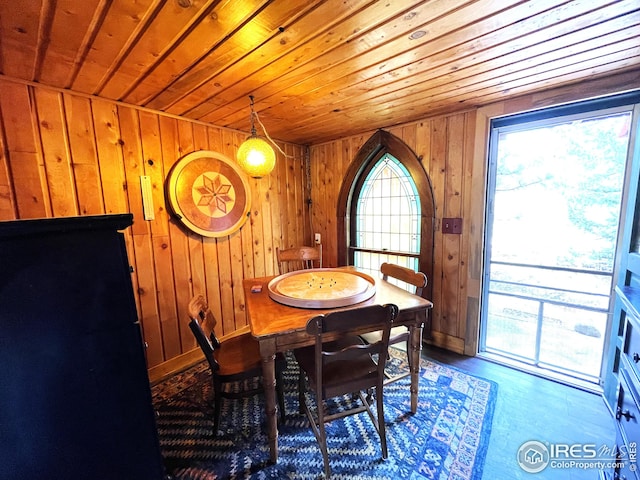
[(322, 288)]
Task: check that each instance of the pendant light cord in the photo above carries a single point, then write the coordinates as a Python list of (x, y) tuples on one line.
[(254, 114)]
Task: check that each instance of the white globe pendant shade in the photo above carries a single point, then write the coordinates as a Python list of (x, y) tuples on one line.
[(256, 157)]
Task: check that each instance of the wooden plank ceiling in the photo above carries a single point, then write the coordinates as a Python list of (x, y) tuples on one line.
[(319, 69)]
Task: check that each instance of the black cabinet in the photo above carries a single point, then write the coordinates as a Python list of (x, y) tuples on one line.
[(75, 400)]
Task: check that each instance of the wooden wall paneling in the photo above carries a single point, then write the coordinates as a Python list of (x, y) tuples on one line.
[(423, 144), (238, 315), (132, 157), (84, 157), (468, 136), (146, 293), (213, 293), (172, 137), (246, 235), (200, 137), (321, 210), (151, 253), (422, 150), (332, 189), (210, 251), (196, 254), (268, 209), (347, 152), (225, 246), (23, 159), (280, 201), (259, 266), (55, 153), (290, 226), (170, 310), (104, 149), (437, 173), (153, 166), (8, 210), (301, 227), (106, 126), (111, 164), (452, 209), (227, 319), (189, 265)]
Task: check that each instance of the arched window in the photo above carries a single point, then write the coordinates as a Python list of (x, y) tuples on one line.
[(387, 217), (386, 210)]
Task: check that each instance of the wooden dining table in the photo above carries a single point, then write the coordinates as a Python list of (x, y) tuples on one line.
[(279, 327)]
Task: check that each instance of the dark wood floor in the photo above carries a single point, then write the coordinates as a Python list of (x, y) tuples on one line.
[(532, 408)]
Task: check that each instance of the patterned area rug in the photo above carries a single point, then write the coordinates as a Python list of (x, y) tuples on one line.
[(446, 439)]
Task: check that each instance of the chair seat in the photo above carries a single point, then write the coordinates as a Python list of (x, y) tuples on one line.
[(397, 334), (339, 373), (238, 354)]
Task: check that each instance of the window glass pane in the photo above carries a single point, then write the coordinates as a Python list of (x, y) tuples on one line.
[(388, 209)]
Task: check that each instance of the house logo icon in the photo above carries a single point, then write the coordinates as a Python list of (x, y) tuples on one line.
[(533, 456)]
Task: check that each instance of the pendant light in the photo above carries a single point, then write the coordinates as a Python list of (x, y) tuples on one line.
[(255, 156)]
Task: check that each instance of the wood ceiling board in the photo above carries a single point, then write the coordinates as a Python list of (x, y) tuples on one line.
[(287, 52), (195, 86), (336, 48), (339, 68)]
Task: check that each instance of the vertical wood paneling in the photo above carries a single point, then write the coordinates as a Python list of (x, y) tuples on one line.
[(23, 158), (55, 153), (84, 159), (467, 200), (7, 197), (450, 296), (437, 173), (444, 146), (63, 154)]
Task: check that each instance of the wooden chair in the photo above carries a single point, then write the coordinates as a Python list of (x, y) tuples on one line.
[(298, 258), (234, 360), (399, 334), (340, 363)]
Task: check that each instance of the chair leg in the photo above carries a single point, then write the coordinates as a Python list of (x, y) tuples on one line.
[(217, 406), (322, 437), (381, 423)]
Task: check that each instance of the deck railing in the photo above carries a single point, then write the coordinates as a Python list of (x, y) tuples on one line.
[(581, 295)]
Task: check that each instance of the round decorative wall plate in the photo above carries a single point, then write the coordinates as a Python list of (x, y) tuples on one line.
[(209, 193), (321, 288)]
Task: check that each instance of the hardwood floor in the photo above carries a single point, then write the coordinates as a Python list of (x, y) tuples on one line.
[(533, 408)]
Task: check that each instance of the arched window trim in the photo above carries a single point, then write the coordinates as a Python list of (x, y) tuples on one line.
[(379, 144)]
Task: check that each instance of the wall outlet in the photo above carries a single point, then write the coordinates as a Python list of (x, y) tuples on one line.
[(318, 239)]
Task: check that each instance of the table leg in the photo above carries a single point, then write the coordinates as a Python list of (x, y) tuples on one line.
[(267, 351), (415, 349)]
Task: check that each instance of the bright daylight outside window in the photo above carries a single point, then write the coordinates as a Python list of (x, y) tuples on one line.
[(387, 218), (555, 189)]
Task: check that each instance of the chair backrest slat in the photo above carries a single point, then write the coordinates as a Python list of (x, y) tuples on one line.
[(325, 328), (299, 258), (202, 325), (417, 279)]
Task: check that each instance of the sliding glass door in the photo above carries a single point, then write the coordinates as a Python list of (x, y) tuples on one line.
[(555, 189)]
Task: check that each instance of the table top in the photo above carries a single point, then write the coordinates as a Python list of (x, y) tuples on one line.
[(268, 318)]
